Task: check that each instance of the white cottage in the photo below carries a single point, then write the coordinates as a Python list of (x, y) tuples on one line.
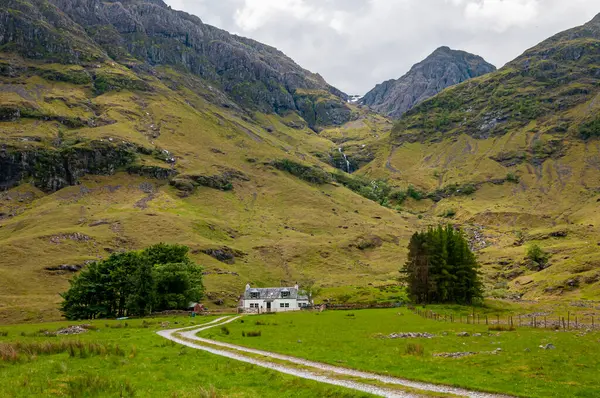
[(273, 299)]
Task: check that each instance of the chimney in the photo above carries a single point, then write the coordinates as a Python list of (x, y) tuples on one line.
[(296, 286), (247, 286)]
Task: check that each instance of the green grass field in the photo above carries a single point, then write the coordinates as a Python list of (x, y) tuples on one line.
[(133, 361), (355, 340)]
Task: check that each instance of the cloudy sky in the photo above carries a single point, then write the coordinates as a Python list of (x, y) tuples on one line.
[(355, 44)]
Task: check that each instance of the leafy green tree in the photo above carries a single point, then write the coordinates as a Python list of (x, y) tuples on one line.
[(161, 277), (143, 299), (177, 284)]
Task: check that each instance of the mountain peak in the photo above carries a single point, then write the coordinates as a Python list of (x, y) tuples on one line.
[(442, 49), (442, 68)]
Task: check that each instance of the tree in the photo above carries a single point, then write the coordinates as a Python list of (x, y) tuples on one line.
[(310, 289), (161, 277), (441, 268), (537, 255), (177, 284)]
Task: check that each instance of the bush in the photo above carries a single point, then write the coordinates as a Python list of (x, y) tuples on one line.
[(3, 333), (225, 330), (256, 333), (414, 349), (415, 193), (512, 177), (590, 129), (311, 174), (399, 196), (537, 255)]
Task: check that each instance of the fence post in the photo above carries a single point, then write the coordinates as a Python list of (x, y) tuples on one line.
[(498, 319), (592, 322), (486, 320), (576, 323), (545, 323), (568, 320)]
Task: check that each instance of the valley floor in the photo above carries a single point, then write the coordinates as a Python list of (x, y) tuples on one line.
[(386, 352)]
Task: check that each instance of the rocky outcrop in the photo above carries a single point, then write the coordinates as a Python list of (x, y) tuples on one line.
[(223, 181), (443, 68), (150, 33), (53, 169)]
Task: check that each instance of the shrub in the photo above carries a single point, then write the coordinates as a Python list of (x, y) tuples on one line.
[(537, 255), (414, 349), (590, 129), (225, 330), (3, 333), (311, 174), (512, 177), (415, 193), (399, 196), (256, 333)]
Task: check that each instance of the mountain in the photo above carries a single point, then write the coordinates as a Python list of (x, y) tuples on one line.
[(140, 34), (443, 68), (124, 124), (514, 155)]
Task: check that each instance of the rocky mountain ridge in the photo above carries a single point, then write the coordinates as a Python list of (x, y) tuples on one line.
[(143, 34), (443, 68)]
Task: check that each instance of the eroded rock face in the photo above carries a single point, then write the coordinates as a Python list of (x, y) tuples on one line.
[(149, 32), (443, 68), (52, 170)]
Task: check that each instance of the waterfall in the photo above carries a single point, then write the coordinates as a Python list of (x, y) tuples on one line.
[(346, 160)]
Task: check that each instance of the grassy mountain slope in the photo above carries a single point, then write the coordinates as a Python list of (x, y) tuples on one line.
[(515, 155), (191, 171)]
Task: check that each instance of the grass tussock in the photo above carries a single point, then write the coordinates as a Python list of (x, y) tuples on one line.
[(3, 333), (14, 352), (252, 333), (96, 385), (414, 349), (225, 330), (501, 328)]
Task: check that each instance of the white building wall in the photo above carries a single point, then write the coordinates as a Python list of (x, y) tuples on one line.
[(275, 305)]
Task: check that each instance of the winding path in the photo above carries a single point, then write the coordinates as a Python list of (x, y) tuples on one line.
[(309, 369)]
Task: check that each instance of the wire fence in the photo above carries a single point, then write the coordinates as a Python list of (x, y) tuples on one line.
[(556, 322)]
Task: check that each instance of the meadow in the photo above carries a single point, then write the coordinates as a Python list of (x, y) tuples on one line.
[(511, 362), (128, 359)]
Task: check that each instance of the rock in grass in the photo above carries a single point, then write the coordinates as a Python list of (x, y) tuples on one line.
[(548, 347), (454, 354), (410, 335), (463, 334)]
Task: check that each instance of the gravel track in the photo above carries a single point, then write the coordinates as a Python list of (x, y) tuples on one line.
[(318, 366)]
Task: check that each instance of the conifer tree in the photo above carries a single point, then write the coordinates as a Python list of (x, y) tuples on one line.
[(441, 268)]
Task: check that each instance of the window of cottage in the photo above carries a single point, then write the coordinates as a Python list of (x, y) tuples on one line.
[(287, 305), (285, 294), (280, 305)]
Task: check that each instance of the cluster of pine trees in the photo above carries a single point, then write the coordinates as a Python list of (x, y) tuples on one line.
[(441, 268), (159, 278)]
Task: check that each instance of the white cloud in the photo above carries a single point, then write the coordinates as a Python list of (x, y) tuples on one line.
[(355, 44), (500, 15)]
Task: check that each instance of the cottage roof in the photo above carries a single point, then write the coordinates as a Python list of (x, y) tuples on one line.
[(271, 293)]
